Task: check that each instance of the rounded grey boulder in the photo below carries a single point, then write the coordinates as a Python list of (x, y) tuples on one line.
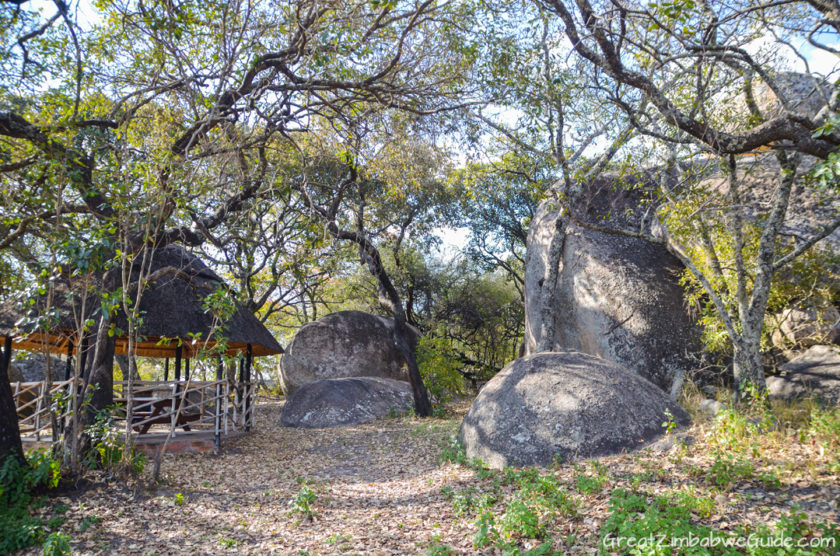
[(813, 374), (14, 374), (345, 401), (564, 405), (342, 344), (33, 368)]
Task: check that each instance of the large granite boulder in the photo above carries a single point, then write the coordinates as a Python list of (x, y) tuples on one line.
[(815, 373), (564, 405), (616, 297), (345, 401), (33, 368), (343, 344)]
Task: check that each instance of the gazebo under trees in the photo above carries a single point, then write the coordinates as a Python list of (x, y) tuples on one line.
[(179, 319)]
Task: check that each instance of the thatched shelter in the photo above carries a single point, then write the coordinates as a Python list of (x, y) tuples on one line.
[(175, 321)]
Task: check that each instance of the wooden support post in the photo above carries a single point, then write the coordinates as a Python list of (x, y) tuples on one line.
[(187, 370), (68, 374), (178, 353), (68, 369), (217, 419), (166, 370), (6, 362), (248, 356), (238, 406)]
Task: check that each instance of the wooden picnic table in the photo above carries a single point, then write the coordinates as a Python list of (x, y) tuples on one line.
[(159, 411)]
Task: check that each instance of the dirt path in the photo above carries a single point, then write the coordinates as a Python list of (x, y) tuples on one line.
[(376, 490), (381, 488)]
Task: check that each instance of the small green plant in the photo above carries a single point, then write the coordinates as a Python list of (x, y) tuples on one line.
[(521, 520), (178, 499), (88, 522), (57, 544), (339, 539), (465, 502), (669, 424), (770, 480), (451, 451), (824, 429), (303, 501), (56, 521), (591, 484), (727, 470), (439, 548), (228, 543), (108, 447)]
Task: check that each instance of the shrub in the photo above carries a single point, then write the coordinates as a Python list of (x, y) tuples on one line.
[(18, 484)]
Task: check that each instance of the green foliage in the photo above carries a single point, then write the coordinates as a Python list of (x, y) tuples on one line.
[(440, 371), (108, 447), (727, 470), (57, 544), (636, 516), (18, 484), (439, 548), (303, 501), (88, 522), (589, 483), (669, 424), (228, 543), (537, 500), (666, 524), (824, 428)]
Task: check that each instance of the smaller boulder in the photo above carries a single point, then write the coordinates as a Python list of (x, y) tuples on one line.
[(711, 407), (564, 405), (342, 402), (33, 368), (14, 374), (815, 373), (805, 328)]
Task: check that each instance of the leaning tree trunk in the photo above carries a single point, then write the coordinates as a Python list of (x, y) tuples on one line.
[(390, 297), (10, 445)]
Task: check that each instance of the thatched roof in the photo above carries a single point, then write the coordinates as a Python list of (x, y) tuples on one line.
[(172, 309)]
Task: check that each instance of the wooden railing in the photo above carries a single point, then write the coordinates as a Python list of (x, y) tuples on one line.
[(199, 405), (191, 405), (35, 409)]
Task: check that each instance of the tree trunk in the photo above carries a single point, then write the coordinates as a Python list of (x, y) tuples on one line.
[(422, 405), (99, 381), (10, 445), (548, 319), (747, 365), (390, 297)]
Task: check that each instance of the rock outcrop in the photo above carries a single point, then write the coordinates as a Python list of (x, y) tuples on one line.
[(616, 297), (815, 373), (804, 328), (345, 401), (33, 368), (342, 344), (14, 374), (564, 405)]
